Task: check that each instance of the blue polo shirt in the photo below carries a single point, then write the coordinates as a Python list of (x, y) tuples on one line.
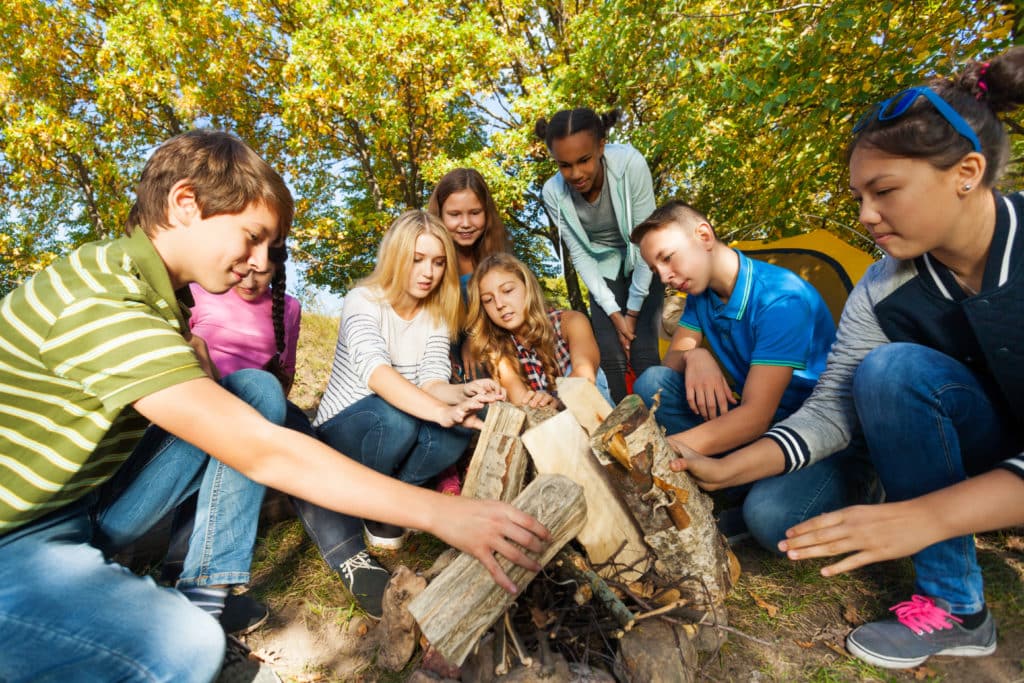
[(774, 317)]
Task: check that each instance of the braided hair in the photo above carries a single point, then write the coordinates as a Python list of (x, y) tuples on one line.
[(571, 121), (278, 256)]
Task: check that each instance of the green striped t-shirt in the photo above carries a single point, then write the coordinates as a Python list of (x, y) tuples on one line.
[(79, 343)]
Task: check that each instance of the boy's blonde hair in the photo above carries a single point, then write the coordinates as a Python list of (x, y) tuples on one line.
[(225, 175), (394, 262), (489, 344)]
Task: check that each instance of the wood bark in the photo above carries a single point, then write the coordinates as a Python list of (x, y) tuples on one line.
[(463, 602), (498, 466), (560, 446), (673, 513), (399, 643)]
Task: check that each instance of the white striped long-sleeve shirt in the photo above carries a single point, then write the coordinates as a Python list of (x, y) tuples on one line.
[(371, 335)]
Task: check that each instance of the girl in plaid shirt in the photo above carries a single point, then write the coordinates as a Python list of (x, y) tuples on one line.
[(522, 344)]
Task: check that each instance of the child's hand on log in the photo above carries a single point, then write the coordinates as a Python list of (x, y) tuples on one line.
[(539, 399), (872, 533), (484, 527), (486, 390), (710, 474)]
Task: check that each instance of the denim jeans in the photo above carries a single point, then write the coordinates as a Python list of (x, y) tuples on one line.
[(373, 432), (643, 351), (771, 505), (69, 614), (929, 423)]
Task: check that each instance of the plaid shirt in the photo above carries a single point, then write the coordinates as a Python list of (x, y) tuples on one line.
[(532, 367)]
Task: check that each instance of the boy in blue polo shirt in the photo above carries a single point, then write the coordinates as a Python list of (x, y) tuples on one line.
[(771, 331)]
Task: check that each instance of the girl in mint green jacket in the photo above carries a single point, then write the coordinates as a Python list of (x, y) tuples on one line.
[(601, 191)]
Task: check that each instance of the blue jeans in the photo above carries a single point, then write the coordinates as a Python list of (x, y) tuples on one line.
[(69, 614), (774, 504), (373, 432), (929, 423)]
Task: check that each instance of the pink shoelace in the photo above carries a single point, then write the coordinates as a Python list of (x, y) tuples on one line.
[(921, 614)]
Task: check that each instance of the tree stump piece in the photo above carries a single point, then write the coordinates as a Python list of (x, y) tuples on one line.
[(463, 602), (656, 652), (399, 641), (581, 398), (498, 466)]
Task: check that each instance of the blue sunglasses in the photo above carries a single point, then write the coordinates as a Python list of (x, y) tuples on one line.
[(897, 106)]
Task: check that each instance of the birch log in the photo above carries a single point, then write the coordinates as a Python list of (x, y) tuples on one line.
[(673, 513), (463, 602), (498, 466)]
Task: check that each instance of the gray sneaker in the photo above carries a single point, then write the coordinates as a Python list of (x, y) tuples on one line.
[(923, 627), (366, 579)]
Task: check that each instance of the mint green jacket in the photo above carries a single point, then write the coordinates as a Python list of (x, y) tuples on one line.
[(632, 194)]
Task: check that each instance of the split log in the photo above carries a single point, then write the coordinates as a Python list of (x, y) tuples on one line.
[(560, 446), (656, 652), (463, 602), (581, 398), (498, 466), (534, 416), (673, 513)]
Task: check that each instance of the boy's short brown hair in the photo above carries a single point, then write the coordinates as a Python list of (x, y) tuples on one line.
[(224, 173), (676, 211)]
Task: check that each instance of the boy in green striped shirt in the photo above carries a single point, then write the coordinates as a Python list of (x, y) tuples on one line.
[(108, 409)]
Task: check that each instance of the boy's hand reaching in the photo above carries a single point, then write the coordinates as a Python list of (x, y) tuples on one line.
[(707, 391), (710, 474), (484, 527)]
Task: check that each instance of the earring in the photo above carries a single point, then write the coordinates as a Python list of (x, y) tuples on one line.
[(967, 187)]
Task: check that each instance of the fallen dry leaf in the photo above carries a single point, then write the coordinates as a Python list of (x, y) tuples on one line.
[(835, 648), (852, 616), (771, 609), (362, 629), (806, 644), (923, 672), (1015, 543)]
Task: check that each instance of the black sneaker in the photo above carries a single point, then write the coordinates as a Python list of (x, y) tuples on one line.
[(923, 627), (366, 580), (384, 536), (241, 666), (242, 614)]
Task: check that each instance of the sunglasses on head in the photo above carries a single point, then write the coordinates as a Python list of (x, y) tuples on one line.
[(897, 106)]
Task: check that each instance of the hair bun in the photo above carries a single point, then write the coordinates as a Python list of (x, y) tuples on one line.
[(610, 118), (540, 129)]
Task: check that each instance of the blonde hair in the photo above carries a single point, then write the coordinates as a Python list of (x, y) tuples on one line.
[(489, 344), (390, 276)]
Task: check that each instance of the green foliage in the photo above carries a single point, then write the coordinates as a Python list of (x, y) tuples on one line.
[(742, 108)]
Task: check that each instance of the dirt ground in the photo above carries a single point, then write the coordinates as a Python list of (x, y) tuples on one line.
[(786, 623)]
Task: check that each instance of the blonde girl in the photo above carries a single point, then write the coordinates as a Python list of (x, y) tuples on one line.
[(388, 403), (521, 343)]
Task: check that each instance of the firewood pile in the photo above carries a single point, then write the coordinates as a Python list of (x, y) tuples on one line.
[(635, 576)]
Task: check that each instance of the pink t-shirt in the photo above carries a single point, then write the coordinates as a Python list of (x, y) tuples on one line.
[(239, 333)]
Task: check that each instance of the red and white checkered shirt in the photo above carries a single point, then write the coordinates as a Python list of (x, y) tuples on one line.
[(532, 367)]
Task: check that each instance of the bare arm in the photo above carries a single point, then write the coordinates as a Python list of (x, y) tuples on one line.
[(874, 533), (759, 460), (683, 340), (518, 393), (287, 460), (762, 392), (583, 351)]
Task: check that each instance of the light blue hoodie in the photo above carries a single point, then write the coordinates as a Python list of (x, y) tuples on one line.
[(632, 194)]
